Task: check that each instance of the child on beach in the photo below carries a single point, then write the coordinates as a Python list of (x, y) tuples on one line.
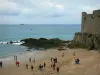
[(26, 66), (32, 67), (57, 69)]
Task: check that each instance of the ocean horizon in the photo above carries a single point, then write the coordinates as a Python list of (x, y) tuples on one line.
[(17, 32)]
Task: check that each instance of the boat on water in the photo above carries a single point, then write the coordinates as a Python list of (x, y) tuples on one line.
[(21, 24)]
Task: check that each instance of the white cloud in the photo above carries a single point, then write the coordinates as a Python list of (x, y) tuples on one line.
[(60, 7), (89, 9), (6, 5), (67, 9), (53, 5)]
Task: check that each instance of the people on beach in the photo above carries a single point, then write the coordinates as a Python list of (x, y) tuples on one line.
[(51, 59), (54, 65), (15, 58), (74, 55), (40, 67), (44, 64), (55, 60), (17, 63), (77, 61), (32, 67), (26, 66), (62, 54), (1, 64), (57, 69), (34, 60), (29, 59), (51, 64)]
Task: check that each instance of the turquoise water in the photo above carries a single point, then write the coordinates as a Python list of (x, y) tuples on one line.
[(18, 32)]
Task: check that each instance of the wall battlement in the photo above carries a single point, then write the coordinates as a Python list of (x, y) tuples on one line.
[(91, 22)]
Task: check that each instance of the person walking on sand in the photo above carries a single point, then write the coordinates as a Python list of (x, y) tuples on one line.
[(51, 59), (51, 64), (34, 60), (14, 58), (57, 69), (26, 66), (62, 54), (54, 65), (29, 59), (74, 54), (1, 64), (31, 67), (77, 61), (44, 64), (17, 63), (55, 60), (40, 67)]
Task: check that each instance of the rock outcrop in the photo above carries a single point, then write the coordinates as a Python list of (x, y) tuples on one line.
[(85, 40)]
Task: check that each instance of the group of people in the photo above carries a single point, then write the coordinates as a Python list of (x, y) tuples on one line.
[(54, 64), (30, 60), (40, 67), (17, 62)]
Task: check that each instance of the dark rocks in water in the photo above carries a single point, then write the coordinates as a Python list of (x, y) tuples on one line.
[(29, 47), (43, 43), (28, 50), (11, 42)]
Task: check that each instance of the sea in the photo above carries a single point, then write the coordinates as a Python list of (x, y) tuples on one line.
[(17, 32)]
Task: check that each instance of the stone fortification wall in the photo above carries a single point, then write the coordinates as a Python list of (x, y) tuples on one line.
[(91, 22), (89, 37)]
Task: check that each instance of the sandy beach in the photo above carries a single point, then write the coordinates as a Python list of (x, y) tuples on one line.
[(89, 64)]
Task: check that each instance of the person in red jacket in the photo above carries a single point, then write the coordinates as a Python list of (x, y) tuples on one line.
[(17, 63)]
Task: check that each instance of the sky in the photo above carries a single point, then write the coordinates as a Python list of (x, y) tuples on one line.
[(45, 11)]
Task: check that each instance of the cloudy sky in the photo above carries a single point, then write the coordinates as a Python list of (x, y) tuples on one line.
[(45, 11)]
